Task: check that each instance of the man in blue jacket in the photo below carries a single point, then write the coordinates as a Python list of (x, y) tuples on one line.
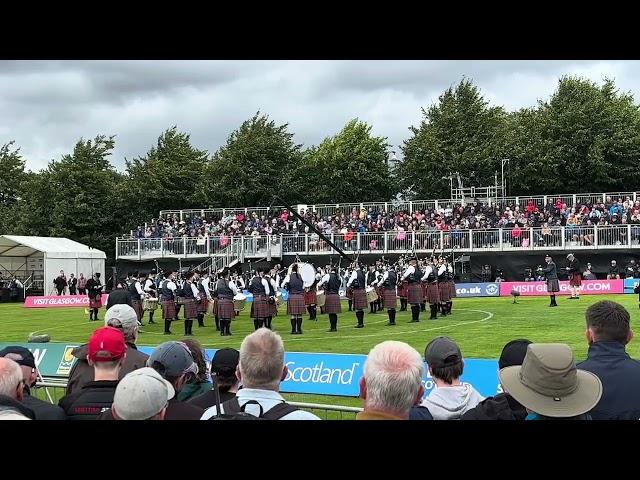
[(608, 331)]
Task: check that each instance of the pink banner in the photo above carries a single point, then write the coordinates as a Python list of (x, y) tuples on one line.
[(589, 287), (60, 301)]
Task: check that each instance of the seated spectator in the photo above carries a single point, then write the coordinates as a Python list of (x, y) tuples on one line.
[(141, 395), (502, 406), (199, 383), (450, 399), (608, 333), (392, 382), (549, 385), (261, 368), (588, 273), (614, 271), (12, 393), (106, 351), (122, 317), (223, 366), (27, 363)]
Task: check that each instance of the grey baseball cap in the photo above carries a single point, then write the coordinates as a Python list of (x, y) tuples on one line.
[(172, 359), (442, 352), (141, 394), (121, 316)]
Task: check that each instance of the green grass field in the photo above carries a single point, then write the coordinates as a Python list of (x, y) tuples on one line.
[(481, 326)]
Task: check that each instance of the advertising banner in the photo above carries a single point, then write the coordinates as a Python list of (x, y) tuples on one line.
[(589, 287), (60, 301)]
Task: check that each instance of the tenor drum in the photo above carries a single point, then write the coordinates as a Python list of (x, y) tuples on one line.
[(150, 304), (239, 301), (372, 295), (278, 298), (321, 298)]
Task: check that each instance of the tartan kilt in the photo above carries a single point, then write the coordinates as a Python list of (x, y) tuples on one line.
[(225, 309), (553, 285), (95, 302), (260, 307), (168, 309), (350, 293), (202, 305), (389, 298), (190, 308), (443, 290), (403, 289), (137, 306), (332, 303), (452, 289), (414, 294), (360, 301), (295, 304), (273, 309), (433, 293), (575, 280), (380, 291), (310, 298)]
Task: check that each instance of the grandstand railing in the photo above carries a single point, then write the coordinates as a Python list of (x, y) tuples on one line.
[(409, 206), (481, 240)]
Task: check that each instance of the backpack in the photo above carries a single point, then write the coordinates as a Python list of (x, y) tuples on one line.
[(233, 411)]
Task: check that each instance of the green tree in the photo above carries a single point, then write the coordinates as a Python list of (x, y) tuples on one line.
[(258, 159), (351, 166), (460, 133), (12, 178)]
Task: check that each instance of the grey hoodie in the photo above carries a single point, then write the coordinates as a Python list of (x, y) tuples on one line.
[(450, 403)]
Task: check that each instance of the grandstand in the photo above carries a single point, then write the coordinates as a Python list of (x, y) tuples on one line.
[(486, 226)]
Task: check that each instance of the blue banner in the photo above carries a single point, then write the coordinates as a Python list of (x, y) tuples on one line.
[(477, 289), (339, 374), (630, 284)]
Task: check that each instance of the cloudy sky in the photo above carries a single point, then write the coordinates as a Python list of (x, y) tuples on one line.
[(48, 105)]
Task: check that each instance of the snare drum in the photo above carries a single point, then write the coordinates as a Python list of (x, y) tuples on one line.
[(239, 301), (150, 304), (321, 298), (372, 295)]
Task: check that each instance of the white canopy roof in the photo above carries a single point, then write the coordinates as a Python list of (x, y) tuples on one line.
[(53, 247)]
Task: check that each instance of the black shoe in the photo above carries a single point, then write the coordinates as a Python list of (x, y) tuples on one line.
[(389, 324), (332, 330), (168, 333), (359, 326), (151, 322), (414, 321), (293, 332)]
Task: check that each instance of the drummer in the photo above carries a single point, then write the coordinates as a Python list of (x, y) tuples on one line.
[(311, 299), (372, 281), (151, 292), (260, 311), (273, 306), (331, 283), (225, 291), (357, 281), (295, 304), (191, 301), (205, 295), (413, 275)]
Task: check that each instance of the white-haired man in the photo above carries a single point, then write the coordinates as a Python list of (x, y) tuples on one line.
[(12, 393), (260, 369), (392, 382)]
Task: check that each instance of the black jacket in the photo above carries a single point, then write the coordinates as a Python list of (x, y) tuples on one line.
[(620, 377), (90, 401), (42, 410), (501, 407), (175, 411), (208, 399), (12, 405), (420, 413), (81, 373), (119, 296)]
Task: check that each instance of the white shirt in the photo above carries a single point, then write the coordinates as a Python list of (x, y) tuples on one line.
[(449, 269), (194, 289), (267, 400), (441, 269), (232, 286), (353, 276), (427, 271), (409, 271), (205, 285), (324, 280), (147, 285), (383, 278), (139, 288), (171, 285), (265, 285), (241, 281)]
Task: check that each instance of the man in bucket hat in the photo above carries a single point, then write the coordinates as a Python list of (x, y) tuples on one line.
[(550, 386)]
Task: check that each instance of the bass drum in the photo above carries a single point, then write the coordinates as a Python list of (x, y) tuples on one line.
[(306, 271)]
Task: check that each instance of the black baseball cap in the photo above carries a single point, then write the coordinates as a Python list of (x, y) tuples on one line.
[(513, 353), (22, 356), (225, 359), (442, 352)]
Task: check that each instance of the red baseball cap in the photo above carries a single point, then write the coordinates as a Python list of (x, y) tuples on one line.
[(106, 344)]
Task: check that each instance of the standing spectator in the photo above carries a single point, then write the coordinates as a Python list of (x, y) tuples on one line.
[(73, 282), (27, 363), (451, 398), (392, 382), (550, 386), (261, 368), (199, 383), (106, 351), (60, 282), (119, 296), (82, 285), (614, 271), (223, 365), (12, 393), (124, 318), (503, 406), (608, 333), (141, 395)]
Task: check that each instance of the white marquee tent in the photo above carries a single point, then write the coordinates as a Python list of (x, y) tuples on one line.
[(44, 257)]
